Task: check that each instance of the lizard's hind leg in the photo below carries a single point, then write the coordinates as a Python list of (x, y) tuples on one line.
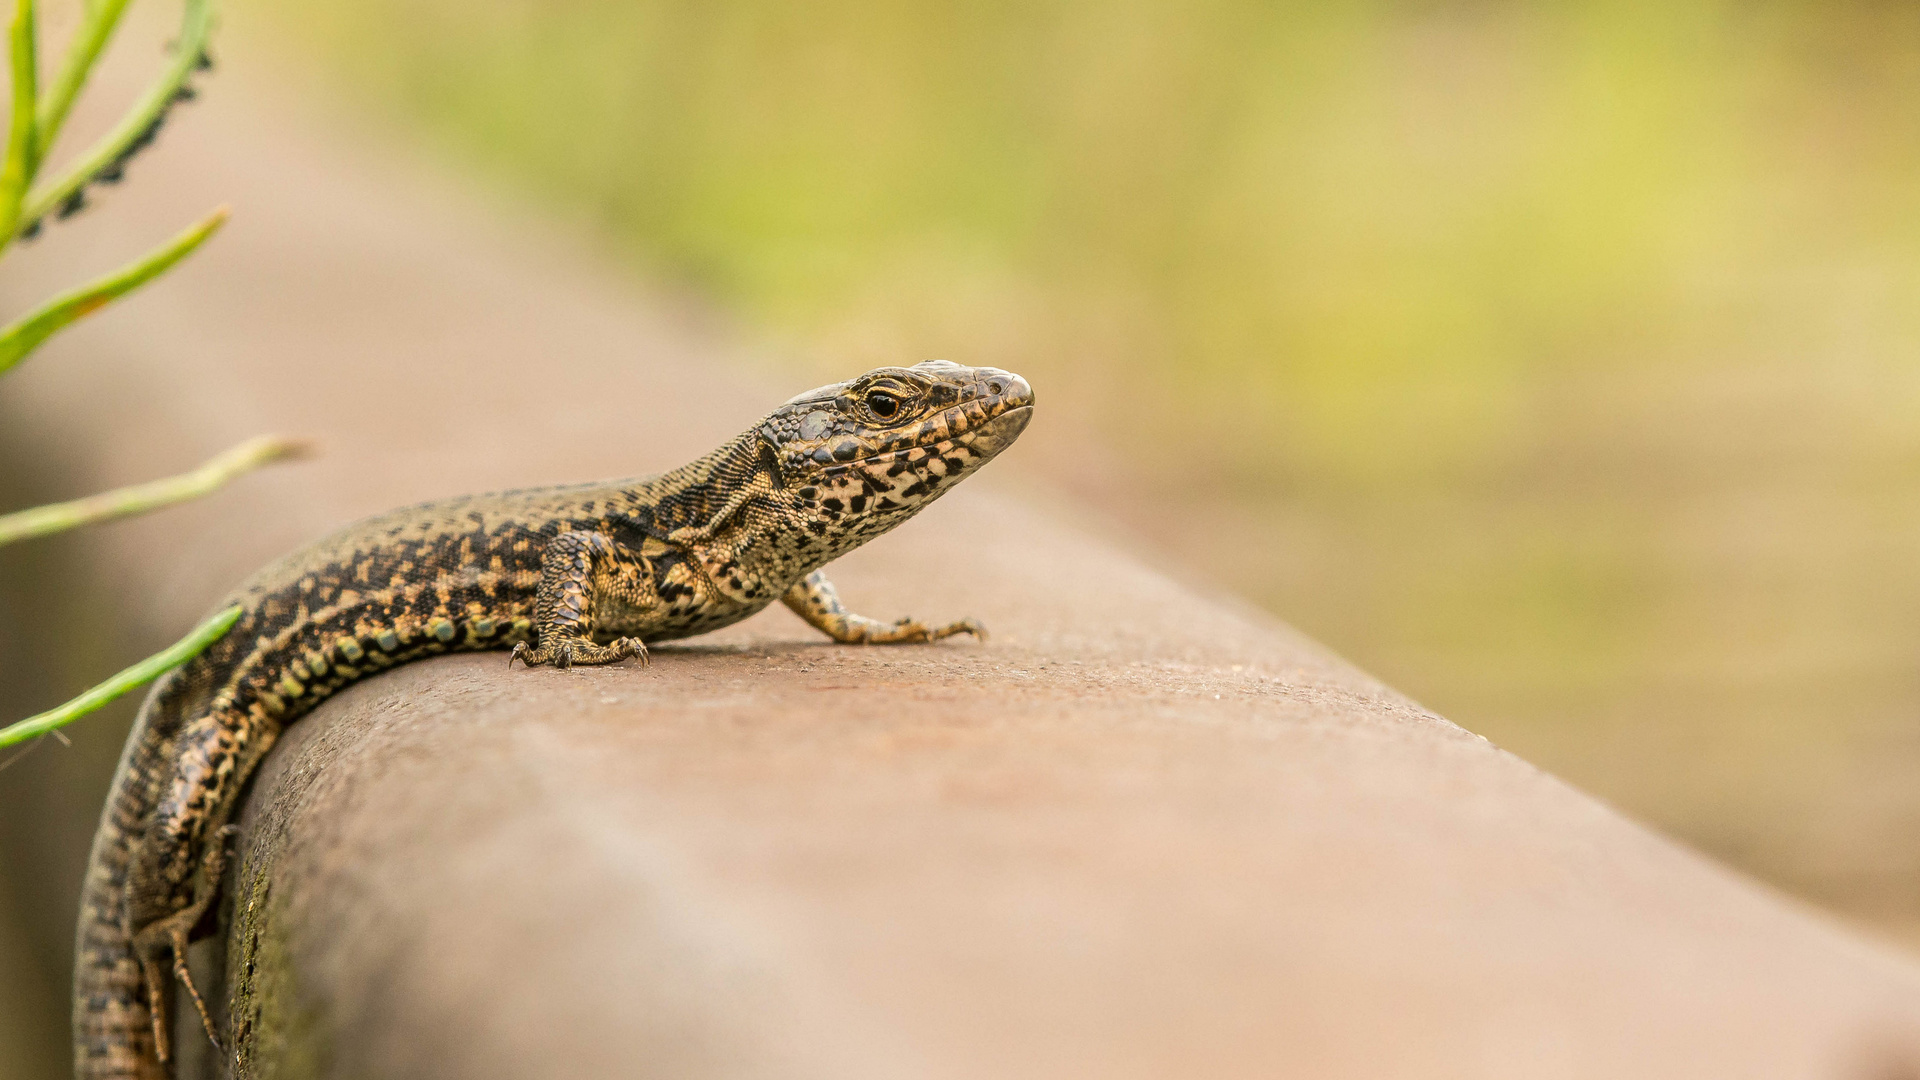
[(174, 876)]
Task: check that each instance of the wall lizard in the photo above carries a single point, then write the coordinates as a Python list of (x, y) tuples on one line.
[(581, 574)]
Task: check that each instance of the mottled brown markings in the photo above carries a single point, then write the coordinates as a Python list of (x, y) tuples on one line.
[(576, 574)]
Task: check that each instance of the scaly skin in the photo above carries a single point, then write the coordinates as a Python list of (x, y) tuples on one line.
[(569, 575)]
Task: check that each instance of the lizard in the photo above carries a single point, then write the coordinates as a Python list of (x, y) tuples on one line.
[(576, 574)]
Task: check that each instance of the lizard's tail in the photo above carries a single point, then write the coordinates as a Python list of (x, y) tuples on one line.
[(112, 1028)]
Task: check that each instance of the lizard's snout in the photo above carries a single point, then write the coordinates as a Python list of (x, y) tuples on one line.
[(1009, 403), (1003, 389)]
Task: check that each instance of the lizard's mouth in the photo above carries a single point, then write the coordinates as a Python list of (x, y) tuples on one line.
[(1000, 431)]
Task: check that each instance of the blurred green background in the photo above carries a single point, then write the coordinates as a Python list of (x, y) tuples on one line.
[(1558, 363)]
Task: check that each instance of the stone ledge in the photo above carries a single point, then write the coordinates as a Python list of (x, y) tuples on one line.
[(1137, 835)]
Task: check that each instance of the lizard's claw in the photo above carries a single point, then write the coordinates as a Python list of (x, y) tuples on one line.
[(564, 653), (632, 647)]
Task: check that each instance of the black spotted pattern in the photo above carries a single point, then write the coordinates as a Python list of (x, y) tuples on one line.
[(670, 556)]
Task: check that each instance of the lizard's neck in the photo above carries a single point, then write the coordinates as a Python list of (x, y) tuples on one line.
[(697, 494), (744, 521), (729, 512), (743, 524)]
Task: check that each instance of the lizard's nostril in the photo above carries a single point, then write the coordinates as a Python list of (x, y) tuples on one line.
[(1008, 390)]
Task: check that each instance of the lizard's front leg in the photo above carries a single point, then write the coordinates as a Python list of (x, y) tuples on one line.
[(813, 598), (580, 571)]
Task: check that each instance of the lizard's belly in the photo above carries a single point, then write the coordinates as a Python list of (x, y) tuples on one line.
[(671, 625)]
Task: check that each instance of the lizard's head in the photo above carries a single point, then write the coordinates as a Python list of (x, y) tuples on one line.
[(877, 448)]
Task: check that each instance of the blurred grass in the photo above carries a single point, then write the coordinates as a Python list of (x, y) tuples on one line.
[(1560, 363)]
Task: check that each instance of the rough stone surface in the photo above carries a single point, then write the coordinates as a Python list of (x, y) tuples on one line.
[(1142, 833)]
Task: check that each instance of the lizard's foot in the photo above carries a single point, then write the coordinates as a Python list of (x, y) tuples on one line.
[(170, 935), (913, 632), (814, 599), (150, 944), (563, 653), (186, 979)]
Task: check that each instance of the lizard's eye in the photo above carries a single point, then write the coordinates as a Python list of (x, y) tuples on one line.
[(883, 404)]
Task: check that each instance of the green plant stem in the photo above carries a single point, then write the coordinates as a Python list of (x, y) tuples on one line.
[(140, 498), (24, 336), (99, 22), (23, 140), (195, 28), (139, 674)]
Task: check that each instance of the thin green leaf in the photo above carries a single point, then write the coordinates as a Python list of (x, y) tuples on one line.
[(140, 498), (138, 675), (139, 122), (23, 337), (102, 17), (23, 139)]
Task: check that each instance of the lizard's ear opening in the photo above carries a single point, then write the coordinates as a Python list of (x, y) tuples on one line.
[(770, 454)]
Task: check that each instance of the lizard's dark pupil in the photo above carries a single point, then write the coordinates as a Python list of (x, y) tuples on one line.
[(883, 405)]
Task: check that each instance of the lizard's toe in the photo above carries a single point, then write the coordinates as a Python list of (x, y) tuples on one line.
[(626, 647), (964, 626)]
